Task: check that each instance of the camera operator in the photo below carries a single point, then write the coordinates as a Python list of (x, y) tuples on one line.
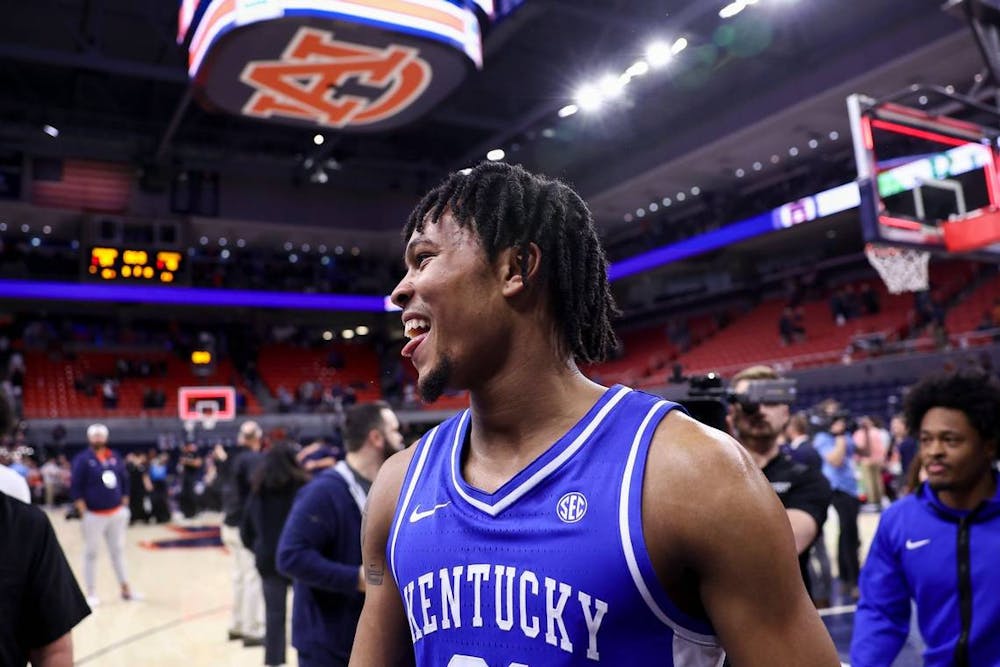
[(835, 444), (759, 405)]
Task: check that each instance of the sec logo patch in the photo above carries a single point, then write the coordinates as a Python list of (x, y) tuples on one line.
[(571, 507)]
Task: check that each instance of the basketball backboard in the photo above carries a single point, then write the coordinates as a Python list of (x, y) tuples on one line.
[(206, 405), (927, 181)]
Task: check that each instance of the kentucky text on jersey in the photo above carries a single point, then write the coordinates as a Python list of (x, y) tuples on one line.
[(549, 570), (433, 603)]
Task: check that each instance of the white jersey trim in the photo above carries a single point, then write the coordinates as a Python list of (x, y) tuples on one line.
[(425, 447), (533, 481), (626, 535)]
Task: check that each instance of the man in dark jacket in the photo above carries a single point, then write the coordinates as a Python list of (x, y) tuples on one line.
[(247, 620), (320, 547), (938, 546)]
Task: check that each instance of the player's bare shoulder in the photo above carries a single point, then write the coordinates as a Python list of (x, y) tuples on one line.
[(696, 474)]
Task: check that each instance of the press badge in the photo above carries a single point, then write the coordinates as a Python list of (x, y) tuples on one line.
[(110, 479)]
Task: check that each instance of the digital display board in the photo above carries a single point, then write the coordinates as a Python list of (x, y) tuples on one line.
[(135, 265)]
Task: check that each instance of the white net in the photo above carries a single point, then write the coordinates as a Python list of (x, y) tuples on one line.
[(902, 269)]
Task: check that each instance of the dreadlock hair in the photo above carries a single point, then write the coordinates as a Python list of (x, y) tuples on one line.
[(507, 207), (973, 392)]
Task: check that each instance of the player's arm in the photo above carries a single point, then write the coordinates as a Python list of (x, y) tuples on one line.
[(806, 505), (882, 620), (54, 654), (708, 508), (383, 636)]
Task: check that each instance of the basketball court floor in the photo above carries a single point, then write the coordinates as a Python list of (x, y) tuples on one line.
[(183, 618)]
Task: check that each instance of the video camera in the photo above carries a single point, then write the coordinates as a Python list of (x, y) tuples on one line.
[(708, 398), (821, 421)]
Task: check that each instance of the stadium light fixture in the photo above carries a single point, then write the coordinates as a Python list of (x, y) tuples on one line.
[(496, 155), (318, 139), (658, 54), (25, 228), (347, 334), (568, 110), (47, 229), (51, 131), (732, 9), (611, 86), (638, 68), (225, 253), (361, 330), (679, 45), (653, 207), (327, 335), (589, 97)]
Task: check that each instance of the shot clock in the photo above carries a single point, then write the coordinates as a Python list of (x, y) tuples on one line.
[(135, 265)]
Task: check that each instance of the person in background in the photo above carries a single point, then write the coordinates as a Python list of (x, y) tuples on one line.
[(320, 548), (273, 487), (937, 547), (236, 469), (100, 492)]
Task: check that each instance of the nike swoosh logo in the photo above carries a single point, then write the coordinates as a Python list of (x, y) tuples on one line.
[(910, 544), (417, 515)]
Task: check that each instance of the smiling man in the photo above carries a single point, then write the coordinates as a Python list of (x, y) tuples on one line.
[(559, 522), (939, 546)]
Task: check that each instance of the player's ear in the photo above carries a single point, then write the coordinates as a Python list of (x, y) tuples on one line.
[(520, 266)]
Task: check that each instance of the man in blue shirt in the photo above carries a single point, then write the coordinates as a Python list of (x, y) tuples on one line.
[(836, 447), (320, 546), (938, 546)]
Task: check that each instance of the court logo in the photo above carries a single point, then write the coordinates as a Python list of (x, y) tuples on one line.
[(335, 83), (571, 507)]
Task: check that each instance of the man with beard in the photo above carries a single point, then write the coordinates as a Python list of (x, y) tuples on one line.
[(557, 521), (99, 488), (320, 546), (802, 489), (938, 545)]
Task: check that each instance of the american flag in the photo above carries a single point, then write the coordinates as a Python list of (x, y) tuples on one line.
[(84, 185)]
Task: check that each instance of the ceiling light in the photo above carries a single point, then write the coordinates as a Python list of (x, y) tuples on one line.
[(775, 159), (813, 144), (3, 226), (680, 196), (658, 54), (293, 258), (47, 229), (732, 9), (288, 246), (223, 241), (834, 135), (611, 86), (325, 261), (653, 207), (327, 335), (923, 100), (339, 250), (666, 201), (740, 173), (638, 68), (757, 166), (35, 241), (496, 154), (241, 243), (628, 217), (361, 330), (679, 45), (793, 151), (355, 251), (224, 254), (321, 247), (548, 133), (51, 131), (25, 229), (640, 213), (203, 240), (696, 191), (318, 139), (568, 110), (589, 97), (347, 334)]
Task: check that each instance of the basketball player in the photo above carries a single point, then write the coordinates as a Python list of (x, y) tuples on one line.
[(99, 489), (559, 522), (938, 545)]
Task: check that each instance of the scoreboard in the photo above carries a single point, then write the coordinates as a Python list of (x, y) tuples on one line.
[(135, 265)]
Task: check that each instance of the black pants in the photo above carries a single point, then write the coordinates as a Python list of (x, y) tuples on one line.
[(275, 600), (319, 658), (847, 506)]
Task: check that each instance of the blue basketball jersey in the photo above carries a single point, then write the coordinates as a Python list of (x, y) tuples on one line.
[(552, 568)]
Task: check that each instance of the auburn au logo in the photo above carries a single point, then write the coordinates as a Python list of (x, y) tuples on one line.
[(306, 83)]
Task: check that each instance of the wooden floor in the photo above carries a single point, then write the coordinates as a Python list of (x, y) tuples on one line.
[(185, 614), (184, 617)]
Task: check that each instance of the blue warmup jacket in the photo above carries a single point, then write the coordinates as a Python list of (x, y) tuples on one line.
[(320, 551), (101, 484), (947, 562)]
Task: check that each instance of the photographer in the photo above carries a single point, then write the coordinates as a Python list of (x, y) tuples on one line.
[(837, 448), (758, 412)]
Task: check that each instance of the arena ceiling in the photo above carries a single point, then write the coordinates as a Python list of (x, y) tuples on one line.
[(110, 75)]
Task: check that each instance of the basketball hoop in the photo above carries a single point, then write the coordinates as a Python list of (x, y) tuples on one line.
[(208, 414), (902, 269)]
